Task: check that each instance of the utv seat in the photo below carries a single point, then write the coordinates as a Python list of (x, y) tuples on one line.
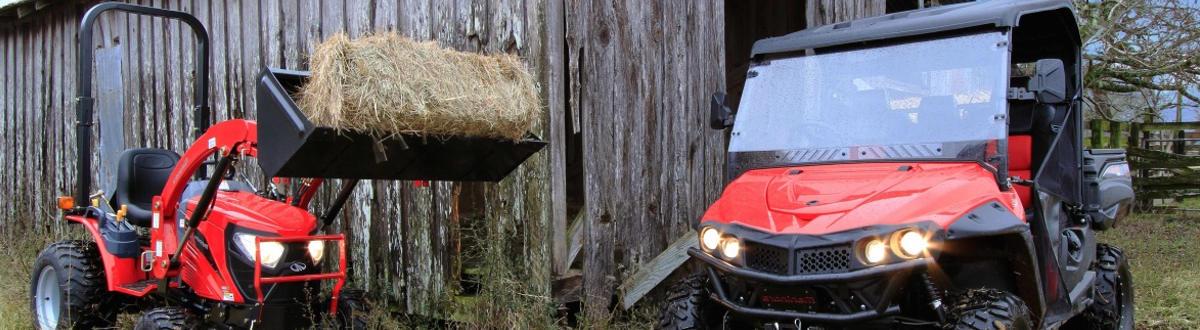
[(1020, 164), (141, 174)]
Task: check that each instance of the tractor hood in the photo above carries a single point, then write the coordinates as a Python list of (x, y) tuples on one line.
[(824, 199), (247, 210)]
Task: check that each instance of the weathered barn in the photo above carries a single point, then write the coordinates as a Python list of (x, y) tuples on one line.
[(630, 165)]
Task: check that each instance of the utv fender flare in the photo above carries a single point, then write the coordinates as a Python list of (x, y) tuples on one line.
[(994, 222), (988, 219)]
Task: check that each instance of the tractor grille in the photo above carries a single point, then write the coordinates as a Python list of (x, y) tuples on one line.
[(767, 258), (823, 260)]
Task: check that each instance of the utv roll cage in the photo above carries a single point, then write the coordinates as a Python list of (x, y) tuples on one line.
[(1039, 29)]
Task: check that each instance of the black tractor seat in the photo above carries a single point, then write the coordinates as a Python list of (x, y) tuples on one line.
[(141, 175)]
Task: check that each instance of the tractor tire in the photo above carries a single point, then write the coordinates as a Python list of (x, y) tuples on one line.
[(1112, 304), (164, 318), (687, 305), (353, 310), (68, 289), (988, 309)]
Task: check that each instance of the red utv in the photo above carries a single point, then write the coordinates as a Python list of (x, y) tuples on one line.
[(919, 169), (193, 241)]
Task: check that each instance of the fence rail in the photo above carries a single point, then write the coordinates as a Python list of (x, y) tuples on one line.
[(1165, 157)]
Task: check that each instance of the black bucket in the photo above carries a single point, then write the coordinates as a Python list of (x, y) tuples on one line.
[(289, 145)]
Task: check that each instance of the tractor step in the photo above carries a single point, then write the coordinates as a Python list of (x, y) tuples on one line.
[(140, 288)]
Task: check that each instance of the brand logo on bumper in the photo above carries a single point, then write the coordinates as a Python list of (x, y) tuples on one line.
[(790, 300), (297, 267)]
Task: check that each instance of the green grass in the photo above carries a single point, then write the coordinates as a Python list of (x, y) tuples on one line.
[(1162, 249), (1163, 254)]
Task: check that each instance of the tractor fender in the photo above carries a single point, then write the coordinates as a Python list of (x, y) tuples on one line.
[(118, 271), (992, 224)]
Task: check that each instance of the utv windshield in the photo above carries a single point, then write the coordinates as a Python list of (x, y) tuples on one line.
[(935, 99)]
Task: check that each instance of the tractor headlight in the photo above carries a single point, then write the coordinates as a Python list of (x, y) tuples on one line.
[(710, 238), (874, 251), (911, 244), (271, 251), (316, 250)]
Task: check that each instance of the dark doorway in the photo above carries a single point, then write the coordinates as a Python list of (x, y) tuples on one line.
[(747, 22)]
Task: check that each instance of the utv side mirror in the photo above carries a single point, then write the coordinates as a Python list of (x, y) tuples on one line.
[(719, 114), (1049, 83)]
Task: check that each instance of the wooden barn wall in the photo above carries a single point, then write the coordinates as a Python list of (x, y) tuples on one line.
[(824, 12), (640, 76), (403, 238)]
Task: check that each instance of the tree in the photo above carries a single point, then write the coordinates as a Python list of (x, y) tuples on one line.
[(1140, 56)]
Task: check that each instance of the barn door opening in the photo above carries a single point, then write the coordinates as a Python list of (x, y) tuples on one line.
[(747, 22)]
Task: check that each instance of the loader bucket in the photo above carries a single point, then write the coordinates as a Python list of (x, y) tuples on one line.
[(289, 145)]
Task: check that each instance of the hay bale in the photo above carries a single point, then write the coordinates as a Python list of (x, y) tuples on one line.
[(386, 84)]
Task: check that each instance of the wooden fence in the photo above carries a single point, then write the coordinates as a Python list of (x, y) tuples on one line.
[(1164, 156)]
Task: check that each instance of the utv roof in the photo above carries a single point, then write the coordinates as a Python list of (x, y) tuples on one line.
[(985, 13)]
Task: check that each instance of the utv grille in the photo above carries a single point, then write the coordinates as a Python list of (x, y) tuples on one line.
[(767, 258), (823, 260)]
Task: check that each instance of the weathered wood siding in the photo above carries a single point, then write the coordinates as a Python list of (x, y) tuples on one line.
[(824, 12), (403, 238), (641, 74)]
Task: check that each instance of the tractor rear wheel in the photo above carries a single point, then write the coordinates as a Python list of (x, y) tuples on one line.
[(164, 318), (352, 310), (687, 305), (68, 289), (1112, 305), (988, 309)]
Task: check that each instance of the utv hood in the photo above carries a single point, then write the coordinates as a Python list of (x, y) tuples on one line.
[(824, 199)]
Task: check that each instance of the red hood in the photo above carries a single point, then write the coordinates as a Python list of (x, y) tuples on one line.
[(824, 199), (254, 212)]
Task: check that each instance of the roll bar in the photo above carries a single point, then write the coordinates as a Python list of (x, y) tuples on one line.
[(84, 103)]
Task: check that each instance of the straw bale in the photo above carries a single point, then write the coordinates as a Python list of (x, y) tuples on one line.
[(386, 84)]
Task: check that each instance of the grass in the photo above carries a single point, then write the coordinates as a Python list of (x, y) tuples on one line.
[(1166, 267), (1161, 249)]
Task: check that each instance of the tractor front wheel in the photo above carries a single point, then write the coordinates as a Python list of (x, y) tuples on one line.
[(165, 318), (989, 309), (352, 310), (1112, 305), (68, 289)]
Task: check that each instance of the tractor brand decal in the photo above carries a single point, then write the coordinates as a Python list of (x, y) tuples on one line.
[(297, 267), (225, 294)]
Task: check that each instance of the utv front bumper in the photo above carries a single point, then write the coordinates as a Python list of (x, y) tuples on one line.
[(816, 278), (894, 275)]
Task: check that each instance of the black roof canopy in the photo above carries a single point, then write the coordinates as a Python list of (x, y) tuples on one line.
[(985, 13)]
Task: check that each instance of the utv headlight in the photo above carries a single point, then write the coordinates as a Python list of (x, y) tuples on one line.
[(874, 251), (316, 250), (710, 238), (731, 247), (271, 251), (911, 244)]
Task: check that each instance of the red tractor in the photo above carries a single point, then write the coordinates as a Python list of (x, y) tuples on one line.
[(918, 169), (189, 238)]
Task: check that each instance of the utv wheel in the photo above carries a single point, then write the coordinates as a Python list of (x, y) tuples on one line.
[(988, 309), (352, 310), (687, 305), (68, 288), (1112, 305), (162, 318)]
